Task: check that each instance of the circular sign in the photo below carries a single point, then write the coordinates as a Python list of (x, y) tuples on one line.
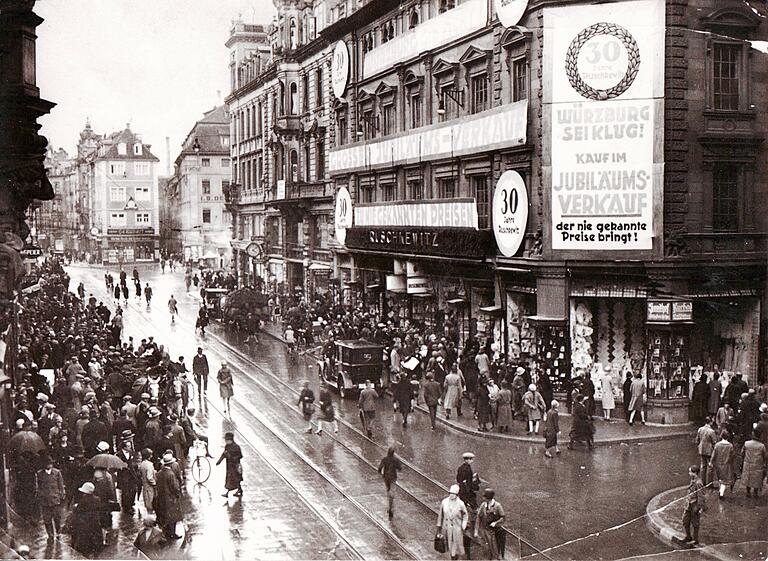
[(94, 231), (602, 61), (253, 250), (340, 69), (510, 212), (343, 214), (510, 11)]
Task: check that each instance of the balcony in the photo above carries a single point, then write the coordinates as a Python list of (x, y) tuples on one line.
[(288, 124), (302, 192)]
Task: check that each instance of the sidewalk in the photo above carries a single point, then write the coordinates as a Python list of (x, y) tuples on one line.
[(734, 528), (606, 433)]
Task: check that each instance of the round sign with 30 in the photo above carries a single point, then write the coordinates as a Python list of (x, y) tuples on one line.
[(510, 212)]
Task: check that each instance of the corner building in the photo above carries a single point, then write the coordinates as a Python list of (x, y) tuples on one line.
[(636, 129)]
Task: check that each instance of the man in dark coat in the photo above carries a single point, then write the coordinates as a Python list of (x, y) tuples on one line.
[(700, 401), (432, 393), (468, 481), (128, 478), (51, 496), (93, 433), (167, 498), (200, 370), (736, 387), (627, 395), (232, 454), (402, 394)]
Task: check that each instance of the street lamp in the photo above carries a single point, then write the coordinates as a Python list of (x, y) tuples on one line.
[(456, 95)]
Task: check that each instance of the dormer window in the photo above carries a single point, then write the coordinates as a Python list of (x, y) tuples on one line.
[(122, 148)]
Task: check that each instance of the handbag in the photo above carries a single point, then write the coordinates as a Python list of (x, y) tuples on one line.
[(440, 543)]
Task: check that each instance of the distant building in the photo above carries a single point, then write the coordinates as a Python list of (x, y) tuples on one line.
[(123, 199), (56, 221), (196, 192), (170, 232)]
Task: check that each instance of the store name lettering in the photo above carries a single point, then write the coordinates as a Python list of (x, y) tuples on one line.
[(406, 238)]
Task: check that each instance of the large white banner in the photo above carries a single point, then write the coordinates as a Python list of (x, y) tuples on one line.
[(454, 213), (606, 65)]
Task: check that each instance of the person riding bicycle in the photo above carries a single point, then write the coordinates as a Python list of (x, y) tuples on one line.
[(290, 338)]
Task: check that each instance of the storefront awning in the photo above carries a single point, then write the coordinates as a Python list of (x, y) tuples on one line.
[(319, 267), (457, 301), (373, 287), (546, 320), (491, 310)]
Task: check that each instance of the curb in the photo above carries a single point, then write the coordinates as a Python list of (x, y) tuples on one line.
[(533, 439)]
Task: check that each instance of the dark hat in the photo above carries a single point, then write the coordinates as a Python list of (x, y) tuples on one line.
[(229, 436), (489, 494)]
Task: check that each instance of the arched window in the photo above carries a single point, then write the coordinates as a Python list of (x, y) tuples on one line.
[(293, 34), (294, 165), (414, 19), (281, 101), (293, 104)]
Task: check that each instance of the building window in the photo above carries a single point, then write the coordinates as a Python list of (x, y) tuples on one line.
[(446, 5), (225, 163), (447, 188), (142, 194), (413, 21), (121, 149), (480, 192), (205, 162), (725, 193), (369, 123), (478, 93), (224, 140), (117, 219), (388, 191), (390, 124), (415, 190), (450, 107), (320, 158), (368, 193), (248, 128), (117, 168), (725, 67), (319, 87), (294, 165), (415, 103), (293, 34), (224, 185), (519, 79), (307, 162), (206, 216), (141, 168), (117, 193), (142, 218), (137, 150), (206, 186), (293, 105), (305, 93), (341, 128)]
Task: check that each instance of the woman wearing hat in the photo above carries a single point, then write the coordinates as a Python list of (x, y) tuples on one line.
[(86, 536), (452, 520), (233, 454), (150, 538), (226, 385), (490, 517), (167, 498), (534, 408)]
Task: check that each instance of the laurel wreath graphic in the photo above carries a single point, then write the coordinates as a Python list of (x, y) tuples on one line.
[(572, 56)]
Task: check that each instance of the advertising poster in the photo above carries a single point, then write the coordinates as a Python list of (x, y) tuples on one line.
[(605, 65)]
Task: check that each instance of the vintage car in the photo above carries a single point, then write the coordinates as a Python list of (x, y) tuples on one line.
[(354, 362)]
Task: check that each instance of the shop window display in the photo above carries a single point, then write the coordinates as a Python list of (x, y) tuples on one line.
[(668, 363), (552, 344)]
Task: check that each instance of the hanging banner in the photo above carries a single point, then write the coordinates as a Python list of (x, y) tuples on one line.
[(606, 66), (510, 11), (510, 212), (343, 214)]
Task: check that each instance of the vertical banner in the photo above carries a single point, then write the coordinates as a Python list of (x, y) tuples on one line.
[(605, 66)]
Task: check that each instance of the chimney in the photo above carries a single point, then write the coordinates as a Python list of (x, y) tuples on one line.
[(218, 97), (168, 156)]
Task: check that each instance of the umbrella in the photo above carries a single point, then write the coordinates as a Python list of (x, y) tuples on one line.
[(106, 461), (26, 441)]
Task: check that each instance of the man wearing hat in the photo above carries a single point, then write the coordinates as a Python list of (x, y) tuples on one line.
[(94, 433), (468, 481), (128, 481), (200, 370), (153, 430), (167, 498), (87, 537), (51, 495), (149, 538), (121, 424), (48, 420), (490, 517)]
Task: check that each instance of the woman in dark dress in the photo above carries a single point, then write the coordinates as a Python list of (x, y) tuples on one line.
[(86, 536), (232, 453), (483, 405), (582, 430)]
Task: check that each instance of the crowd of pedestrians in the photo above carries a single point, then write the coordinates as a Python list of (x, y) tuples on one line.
[(101, 425)]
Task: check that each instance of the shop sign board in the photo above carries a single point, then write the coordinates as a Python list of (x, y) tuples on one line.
[(510, 212), (659, 310), (604, 65), (343, 214), (510, 11), (340, 69), (419, 285), (396, 283), (501, 127), (399, 266), (31, 252), (682, 311), (447, 242), (130, 231), (453, 213), (413, 269)]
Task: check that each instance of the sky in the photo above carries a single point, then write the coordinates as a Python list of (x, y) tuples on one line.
[(156, 64)]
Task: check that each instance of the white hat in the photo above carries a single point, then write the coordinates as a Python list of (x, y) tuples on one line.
[(102, 446), (87, 488), (168, 459), (467, 455), (41, 397), (532, 388), (454, 490)]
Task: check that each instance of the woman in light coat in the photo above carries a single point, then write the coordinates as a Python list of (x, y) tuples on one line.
[(504, 407), (535, 407), (607, 386), (721, 463), (637, 402), (148, 481), (755, 463), (453, 391), (452, 521), (226, 385)]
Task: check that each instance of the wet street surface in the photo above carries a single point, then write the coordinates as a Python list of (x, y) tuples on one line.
[(320, 497)]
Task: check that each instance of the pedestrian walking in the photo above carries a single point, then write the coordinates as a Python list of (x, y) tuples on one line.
[(468, 480), (694, 506), (172, 308), (148, 294), (200, 371), (504, 407), (51, 496), (137, 285), (327, 410), (706, 437), (367, 405), (453, 390), (488, 526), (637, 399), (226, 385), (150, 539), (234, 477), (483, 405), (167, 498), (388, 468), (202, 318), (721, 464), (307, 404), (402, 395), (128, 479), (432, 391), (148, 480), (606, 385), (626, 395), (715, 392), (700, 400), (552, 430), (452, 520), (86, 535), (534, 408), (124, 288), (582, 427), (117, 292), (753, 471)]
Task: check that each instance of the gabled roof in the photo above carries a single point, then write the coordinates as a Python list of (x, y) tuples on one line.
[(218, 115), (127, 137)]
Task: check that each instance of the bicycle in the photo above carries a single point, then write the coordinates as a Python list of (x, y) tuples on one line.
[(201, 466)]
